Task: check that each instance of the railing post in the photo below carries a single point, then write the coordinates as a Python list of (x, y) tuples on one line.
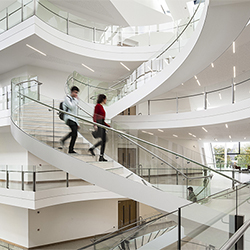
[(233, 175), (35, 7), (22, 11), (67, 27), (7, 177), (22, 173), (7, 99), (34, 178), (94, 35), (148, 107), (205, 100), (177, 104), (177, 179), (53, 119), (67, 179), (179, 228), (233, 92), (149, 175), (7, 19)]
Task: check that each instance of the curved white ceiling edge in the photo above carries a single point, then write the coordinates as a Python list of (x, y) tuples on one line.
[(222, 23), (34, 25), (225, 114), (52, 197)]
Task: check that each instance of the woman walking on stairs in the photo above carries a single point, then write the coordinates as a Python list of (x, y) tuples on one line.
[(99, 117)]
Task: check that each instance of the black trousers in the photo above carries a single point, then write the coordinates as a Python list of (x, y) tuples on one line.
[(103, 136), (73, 134)]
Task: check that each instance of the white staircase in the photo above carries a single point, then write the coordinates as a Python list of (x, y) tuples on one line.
[(35, 132)]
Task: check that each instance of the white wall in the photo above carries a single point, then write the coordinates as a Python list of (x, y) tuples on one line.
[(11, 152), (72, 221), (14, 224)]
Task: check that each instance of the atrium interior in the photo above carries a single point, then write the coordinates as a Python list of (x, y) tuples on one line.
[(176, 75)]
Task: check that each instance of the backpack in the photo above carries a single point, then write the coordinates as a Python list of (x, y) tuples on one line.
[(61, 114)]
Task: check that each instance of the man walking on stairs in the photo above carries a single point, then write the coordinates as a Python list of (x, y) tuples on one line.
[(70, 105)]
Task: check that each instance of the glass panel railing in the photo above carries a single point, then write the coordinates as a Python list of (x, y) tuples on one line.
[(192, 173), (143, 73), (96, 32), (36, 178), (125, 149), (213, 97)]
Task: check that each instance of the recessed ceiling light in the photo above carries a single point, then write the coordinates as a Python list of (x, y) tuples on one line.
[(230, 136), (87, 67), (245, 138), (175, 135), (233, 47), (198, 82), (183, 84), (215, 139), (226, 125), (220, 96), (204, 129), (160, 130), (234, 68), (190, 134), (195, 77), (36, 50), (194, 135), (124, 66), (150, 133), (212, 65), (199, 139), (144, 131)]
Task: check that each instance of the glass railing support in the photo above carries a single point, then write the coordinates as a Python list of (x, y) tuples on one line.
[(233, 92), (67, 179), (236, 236), (130, 137), (179, 228), (34, 178)]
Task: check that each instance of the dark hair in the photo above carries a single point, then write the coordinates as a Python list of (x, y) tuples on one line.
[(101, 98), (74, 88), (190, 188)]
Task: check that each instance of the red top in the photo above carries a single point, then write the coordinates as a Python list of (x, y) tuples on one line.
[(99, 113)]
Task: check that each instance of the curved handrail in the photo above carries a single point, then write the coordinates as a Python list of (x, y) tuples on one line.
[(236, 236), (131, 137)]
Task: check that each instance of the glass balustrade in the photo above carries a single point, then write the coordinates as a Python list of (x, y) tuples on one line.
[(206, 225), (144, 161), (36, 178), (92, 31)]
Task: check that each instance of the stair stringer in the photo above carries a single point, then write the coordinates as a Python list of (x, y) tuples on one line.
[(120, 185)]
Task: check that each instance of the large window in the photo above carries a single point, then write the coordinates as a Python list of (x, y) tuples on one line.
[(231, 153)]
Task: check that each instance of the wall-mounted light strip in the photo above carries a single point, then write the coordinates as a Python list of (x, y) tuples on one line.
[(204, 129), (87, 67), (36, 50), (124, 66), (234, 69), (212, 65), (234, 47)]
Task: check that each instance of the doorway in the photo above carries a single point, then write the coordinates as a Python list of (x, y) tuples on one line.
[(127, 157), (127, 213)]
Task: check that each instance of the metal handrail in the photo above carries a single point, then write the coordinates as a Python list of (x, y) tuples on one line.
[(131, 136), (236, 236)]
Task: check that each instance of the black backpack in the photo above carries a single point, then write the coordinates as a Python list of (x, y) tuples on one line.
[(61, 114)]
